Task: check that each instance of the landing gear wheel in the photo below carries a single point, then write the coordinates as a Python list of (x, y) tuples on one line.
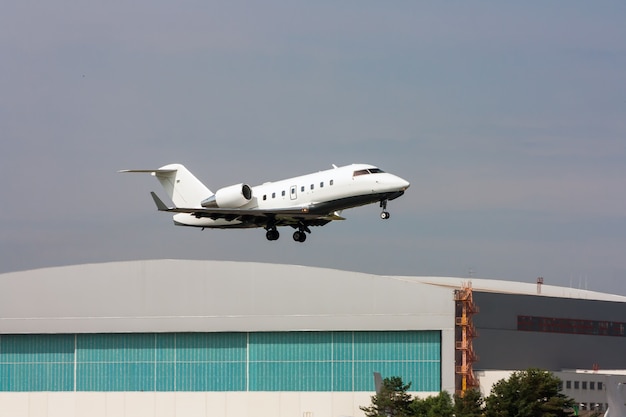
[(272, 234), (385, 215), (299, 236)]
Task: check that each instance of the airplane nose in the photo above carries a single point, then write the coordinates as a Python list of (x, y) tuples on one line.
[(393, 183), (401, 183)]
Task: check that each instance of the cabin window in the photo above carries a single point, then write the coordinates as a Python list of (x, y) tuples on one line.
[(273, 195), (322, 184), (293, 190), (332, 182), (283, 193), (312, 186), (264, 196), (302, 188)]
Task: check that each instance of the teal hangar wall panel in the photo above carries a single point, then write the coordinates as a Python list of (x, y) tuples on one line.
[(37, 363), (259, 361)]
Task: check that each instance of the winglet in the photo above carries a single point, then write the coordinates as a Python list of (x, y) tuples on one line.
[(159, 203)]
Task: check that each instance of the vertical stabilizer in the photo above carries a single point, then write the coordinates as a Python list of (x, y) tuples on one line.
[(181, 186)]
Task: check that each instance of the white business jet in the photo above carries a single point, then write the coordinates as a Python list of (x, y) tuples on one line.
[(300, 202)]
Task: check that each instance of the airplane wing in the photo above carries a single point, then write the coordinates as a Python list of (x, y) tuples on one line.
[(280, 215)]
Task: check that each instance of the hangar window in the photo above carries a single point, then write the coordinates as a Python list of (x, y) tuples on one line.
[(592, 385), (568, 384), (584, 384), (600, 385), (576, 384)]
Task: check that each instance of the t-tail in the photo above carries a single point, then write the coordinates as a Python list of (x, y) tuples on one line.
[(181, 186)]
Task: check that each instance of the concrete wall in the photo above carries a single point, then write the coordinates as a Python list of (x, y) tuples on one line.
[(188, 404)]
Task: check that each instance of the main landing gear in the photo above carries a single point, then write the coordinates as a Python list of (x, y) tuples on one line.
[(272, 234), (384, 214), (299, 235)]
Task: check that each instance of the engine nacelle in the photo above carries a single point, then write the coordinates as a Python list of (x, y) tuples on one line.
[(229, 197)]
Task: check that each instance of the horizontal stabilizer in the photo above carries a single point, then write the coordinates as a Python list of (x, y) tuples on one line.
[(159, 203), (150, 171), (182, 187)]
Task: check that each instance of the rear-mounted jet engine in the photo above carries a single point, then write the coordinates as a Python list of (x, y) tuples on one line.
[(229, 197)]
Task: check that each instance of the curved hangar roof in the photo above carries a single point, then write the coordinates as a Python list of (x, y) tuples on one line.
[(200, 296)]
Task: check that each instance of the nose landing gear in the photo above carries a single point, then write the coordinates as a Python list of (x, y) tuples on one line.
[(384, 214)]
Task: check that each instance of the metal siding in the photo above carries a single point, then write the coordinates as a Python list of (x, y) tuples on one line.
[(115, 362), (290, 376), (326, 361), (205, 376), (343, 376), (36, 362), (288, 361), (209, 362), (501, 346)]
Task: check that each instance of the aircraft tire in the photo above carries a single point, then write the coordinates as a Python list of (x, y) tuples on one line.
[(272, 234), (299, 236)]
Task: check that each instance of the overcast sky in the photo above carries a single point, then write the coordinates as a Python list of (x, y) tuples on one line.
[(508, 119)]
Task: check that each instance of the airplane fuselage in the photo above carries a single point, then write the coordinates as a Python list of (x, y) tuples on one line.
[(328, 191)]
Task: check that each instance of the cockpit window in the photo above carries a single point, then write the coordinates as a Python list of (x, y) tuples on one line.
[(367, 171)]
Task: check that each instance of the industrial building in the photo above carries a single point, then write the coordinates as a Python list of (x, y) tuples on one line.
[(212, 338)]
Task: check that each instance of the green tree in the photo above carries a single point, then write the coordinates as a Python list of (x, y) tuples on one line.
[(469, 405), (438, 406), (530, 393), (392, 400)]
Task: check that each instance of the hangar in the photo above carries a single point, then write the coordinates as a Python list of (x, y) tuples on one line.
[(214, 338)]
